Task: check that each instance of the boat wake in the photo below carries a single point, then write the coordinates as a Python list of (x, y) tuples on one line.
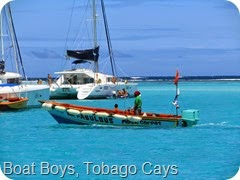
[(220, 124), (97, 126)]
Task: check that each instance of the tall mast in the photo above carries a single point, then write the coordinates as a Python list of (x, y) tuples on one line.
[(108, 40), (3, 3), (1, 31), (11, 33), (95, 32), (15, 44)]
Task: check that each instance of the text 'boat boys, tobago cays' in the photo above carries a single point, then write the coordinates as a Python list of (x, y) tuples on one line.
[(87, 79), (84, 115)]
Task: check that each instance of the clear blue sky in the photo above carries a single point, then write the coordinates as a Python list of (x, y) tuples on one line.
[(149, 37)]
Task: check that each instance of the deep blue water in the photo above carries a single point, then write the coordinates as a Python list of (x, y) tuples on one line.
[(209, 150)]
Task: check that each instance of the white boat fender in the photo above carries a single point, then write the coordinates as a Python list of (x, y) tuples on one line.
[(87, 112), (102, 114), (134, 118), (60, 108), (119, 116), (73, 111), (47, 106)]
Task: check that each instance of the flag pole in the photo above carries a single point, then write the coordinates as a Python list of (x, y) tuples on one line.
[(175, 101)]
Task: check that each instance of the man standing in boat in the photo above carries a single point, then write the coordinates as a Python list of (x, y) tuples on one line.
[(49, 79), (137, 103)]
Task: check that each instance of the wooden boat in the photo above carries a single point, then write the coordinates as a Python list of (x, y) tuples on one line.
[(84, 115), (13, 103)]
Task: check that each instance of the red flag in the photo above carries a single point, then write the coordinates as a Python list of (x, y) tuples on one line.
[(176, 78)]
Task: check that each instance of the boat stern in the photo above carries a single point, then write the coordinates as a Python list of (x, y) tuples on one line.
[(190, 117)]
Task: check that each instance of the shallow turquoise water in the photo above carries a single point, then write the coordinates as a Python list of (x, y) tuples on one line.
[(209, 150)]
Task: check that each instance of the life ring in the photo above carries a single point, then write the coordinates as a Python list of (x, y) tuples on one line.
[(73, 111)]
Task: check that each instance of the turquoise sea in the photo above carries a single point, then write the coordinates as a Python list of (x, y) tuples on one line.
[(34, 146)]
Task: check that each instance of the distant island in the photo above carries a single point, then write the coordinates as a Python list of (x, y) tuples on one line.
[(168, 78)]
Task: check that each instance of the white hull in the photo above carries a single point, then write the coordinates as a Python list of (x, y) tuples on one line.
[(34, 93), (90, 91), (64, 91), (101, 91)]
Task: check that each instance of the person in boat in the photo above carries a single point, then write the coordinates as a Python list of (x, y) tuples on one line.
[(122, 93), (115, 108), (129, 111), (137, 103), (119, 93), (125, 93), (39, 81), (49, 79)]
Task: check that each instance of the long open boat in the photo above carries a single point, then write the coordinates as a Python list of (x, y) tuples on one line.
[(13, 103), (84, 115)]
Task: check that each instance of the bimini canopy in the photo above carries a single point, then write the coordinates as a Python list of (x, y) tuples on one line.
[(87, 54)]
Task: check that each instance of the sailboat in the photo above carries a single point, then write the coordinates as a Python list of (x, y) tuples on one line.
[(11, 86), (91, 83)]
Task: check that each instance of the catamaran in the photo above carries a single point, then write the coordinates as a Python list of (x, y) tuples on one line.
[(90, 82), (10, 82)]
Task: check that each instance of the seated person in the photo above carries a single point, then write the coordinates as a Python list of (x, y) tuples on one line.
[(125, 93), (115, 108), (122, 93)]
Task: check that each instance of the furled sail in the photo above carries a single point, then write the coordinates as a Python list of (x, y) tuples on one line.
[(87, 54)]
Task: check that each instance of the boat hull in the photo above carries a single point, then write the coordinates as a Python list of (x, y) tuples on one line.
[(13, 104), (34, 93), (94, 91), (103, 91), (66, 118), (63, 91), (82, 115)]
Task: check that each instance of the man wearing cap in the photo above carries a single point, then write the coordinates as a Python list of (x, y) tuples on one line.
[(137, 103)]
